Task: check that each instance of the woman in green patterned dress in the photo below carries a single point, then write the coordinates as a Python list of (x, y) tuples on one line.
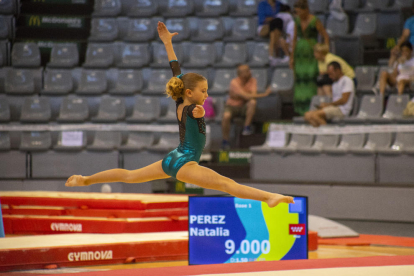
[(307, 28)]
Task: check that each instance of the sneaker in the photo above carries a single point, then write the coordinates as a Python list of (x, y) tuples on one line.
[(274, 61), (284, 60), (225, 145), (247, 131)]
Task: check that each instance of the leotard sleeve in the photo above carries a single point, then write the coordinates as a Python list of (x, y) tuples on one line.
[(175, 67), (190, 111)]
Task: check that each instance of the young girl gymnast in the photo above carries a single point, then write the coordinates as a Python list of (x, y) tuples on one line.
[(189, 91)]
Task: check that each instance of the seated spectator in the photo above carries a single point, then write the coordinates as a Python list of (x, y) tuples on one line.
[(285, 36), (241, 102), (343, 92), (324, 57), (403, 70)]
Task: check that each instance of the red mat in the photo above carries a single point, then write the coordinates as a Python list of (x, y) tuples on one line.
[(252, 267), (368, 240)]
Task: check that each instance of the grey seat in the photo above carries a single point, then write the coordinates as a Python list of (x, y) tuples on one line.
[(105, 141), (212, 7), (8, 7), (366, 77), (200, 55), (404, 143), (4, 141), (157, 81), (389, 23), (394, 110), (282, 80), (103, 29), (107, 8), (351, 5), (167, 142), (126, 81), (73, 110), (64, 56), (315, 103), (110, 110), (139, 8), (7, 27), (36, 110), (376, 4), (398, 4), (137, 141), (171, 116), (366, 24), (25, 55), (375, 141), (146, 110), (19, 81), (266, 147), (99, 55), (297, 141), (322, 143), (57, 81), (371, 107), (70, 141), (335, 27), (179, 25), (243, 8), (140, 30), (222, 81), (348, 142), (4, 53), (242, 29), (4, 109), (35, 141), (260, 55), (318, 6), (234, 54), (133, 55), (160, 57), (92, 82), (261, 77), (176, 8), (209, 29)]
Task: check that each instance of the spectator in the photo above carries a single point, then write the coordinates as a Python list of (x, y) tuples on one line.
[(343, 92), (302, 60), (285, 40), (241, 102), (403, 72), (407, 34), (324, 57)]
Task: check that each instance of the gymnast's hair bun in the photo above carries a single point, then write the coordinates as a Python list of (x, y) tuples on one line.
[(176, 86)]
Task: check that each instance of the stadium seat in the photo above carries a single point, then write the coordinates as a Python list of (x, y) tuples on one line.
[(100, 55), (140, 30), (137, 141), (394, 110), (35, 141), (351, 5), (366, 24), (105, 141), (176, 8), (157, 81), (107, 8), (7, 27), (218, 103), (139, 8), (389, 23), (179, 25), (200, 55), (243, 8), (322, 142), (110, 110), (261, 77), (4, 53), (25, 55), (234, 54), (399, 4), (73, 110), (222, 81), (371, 107), (242, 29), (171, 115), (126, 81), (336, 27), (8, 7), (260, 55), (146, 110), (376, 4), (315, 103), (375, 141), (4, 109), (348, 142), (133, 55), (4, 141), (70, 141), (208, 30), (211, 7), (57, 82), (366, 78), (404, 143), (297, 142), (160, 57), (282, 80), (167, 142), (36, 110), (103, 29), (64, 56), (20, 81), (318, 6), (92, 82)]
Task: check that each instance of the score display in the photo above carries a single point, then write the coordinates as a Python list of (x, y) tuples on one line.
[(231, 230)]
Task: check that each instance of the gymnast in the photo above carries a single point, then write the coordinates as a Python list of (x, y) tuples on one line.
[(189, 91)]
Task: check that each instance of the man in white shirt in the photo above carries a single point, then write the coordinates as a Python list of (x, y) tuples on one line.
[(343, 92)]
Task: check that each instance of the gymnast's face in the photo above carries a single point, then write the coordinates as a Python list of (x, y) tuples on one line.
[(199, 94)]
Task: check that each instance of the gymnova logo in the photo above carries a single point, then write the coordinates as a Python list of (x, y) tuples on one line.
[(67, 227), (90, 256)]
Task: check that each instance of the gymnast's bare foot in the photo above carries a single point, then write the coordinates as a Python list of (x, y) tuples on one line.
[(75, 180), (277, 198)]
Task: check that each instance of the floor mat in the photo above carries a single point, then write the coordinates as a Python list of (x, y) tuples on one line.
[(370, 240)]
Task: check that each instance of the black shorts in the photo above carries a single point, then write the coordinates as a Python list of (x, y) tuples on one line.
[(323, 80), (276, 23)]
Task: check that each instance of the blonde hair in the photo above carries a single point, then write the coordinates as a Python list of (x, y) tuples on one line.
[(176, 87), (321, 48), (301, 4)]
